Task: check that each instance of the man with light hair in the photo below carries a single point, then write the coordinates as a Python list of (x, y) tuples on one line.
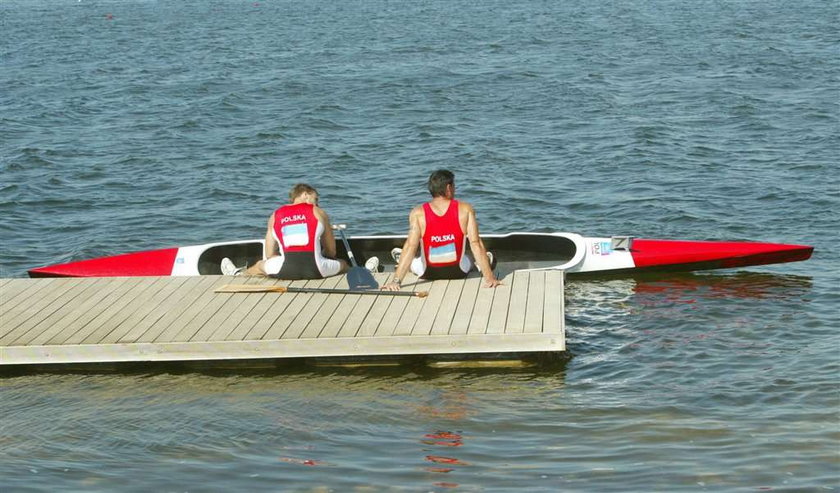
[(299, 241), (439, 230)]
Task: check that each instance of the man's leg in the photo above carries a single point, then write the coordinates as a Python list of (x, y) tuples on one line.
[(257, 269), (329, 267)]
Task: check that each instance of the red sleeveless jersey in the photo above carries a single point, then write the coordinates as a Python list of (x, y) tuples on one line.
[(294, 227), (443, 240)]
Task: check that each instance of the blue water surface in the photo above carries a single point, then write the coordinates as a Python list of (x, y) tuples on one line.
[(135, 124)]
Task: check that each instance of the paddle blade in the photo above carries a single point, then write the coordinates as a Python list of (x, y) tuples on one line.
[(361, 278)]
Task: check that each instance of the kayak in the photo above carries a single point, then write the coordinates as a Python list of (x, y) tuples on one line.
[(578, 255)]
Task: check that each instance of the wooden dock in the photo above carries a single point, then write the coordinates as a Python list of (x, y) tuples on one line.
[(144, 319)]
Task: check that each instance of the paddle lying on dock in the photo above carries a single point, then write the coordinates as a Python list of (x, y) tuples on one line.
[(255, 288)]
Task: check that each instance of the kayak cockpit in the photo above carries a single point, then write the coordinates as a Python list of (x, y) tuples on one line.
[(513, 251), (241, 253)]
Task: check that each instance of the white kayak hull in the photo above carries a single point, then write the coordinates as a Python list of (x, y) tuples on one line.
[(571, 252)]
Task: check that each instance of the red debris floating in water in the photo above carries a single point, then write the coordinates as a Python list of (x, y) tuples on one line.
[(444, 439), (453, 443), (445, 435), (445, 460), (303, 462)]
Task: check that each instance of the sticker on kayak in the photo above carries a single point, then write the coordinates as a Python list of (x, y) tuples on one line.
[(443, 254), (601, 248), (295, 235)]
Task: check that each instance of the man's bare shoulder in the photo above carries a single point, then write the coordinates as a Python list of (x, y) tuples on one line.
[(416, 213), (465, 207), (320, 213)]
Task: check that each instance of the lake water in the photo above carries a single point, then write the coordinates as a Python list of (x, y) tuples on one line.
[(136, 124)]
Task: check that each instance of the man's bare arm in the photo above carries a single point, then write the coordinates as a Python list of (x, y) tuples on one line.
[(478, 250), (328, 238), (271, 248), (409, 250)]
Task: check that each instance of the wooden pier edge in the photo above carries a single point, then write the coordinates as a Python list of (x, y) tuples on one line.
[(293, 348), (144, 320)]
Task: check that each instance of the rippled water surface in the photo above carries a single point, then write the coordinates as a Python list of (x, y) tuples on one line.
[(136, 124)]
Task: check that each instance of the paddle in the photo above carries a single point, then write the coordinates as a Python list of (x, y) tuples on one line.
[(357, 277), (255, 288)]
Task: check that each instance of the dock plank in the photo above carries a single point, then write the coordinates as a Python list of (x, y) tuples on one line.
[(483, 305), (497, 321), (337, 318), (518, 293), (18, 320), (111, 306), (262, 319), (432, 306), (448, 306), (288, 326), (243, 318), (190, 321), (262, 302), (534, 304), (23, 307), (326, 307), (354, 324), (195, 287), (225, 320), (65, 308), (553, 309), (217, 311), (157, 329), (148, 306), (21, 290), (291, 307), (388, 313), (109, 294), (80, 314), (409, 314), (466, 302), (343, 323), (127, 305), (372, 318)]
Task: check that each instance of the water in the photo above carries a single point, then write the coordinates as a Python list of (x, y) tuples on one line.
[(127, 125)]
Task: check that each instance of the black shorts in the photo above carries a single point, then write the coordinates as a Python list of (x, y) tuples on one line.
[(297, 266), (448, 272)]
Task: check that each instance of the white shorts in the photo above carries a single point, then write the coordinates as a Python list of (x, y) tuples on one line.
[(418, 265)]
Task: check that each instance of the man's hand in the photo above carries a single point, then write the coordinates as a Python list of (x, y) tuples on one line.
[(492, 283), (391, 286)]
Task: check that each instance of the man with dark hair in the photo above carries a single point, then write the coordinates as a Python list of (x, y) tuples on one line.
[(299, 242), (439, 230)]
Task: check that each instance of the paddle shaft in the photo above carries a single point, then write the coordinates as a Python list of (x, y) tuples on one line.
[(358, 278), (347, 247), (254, 288)]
